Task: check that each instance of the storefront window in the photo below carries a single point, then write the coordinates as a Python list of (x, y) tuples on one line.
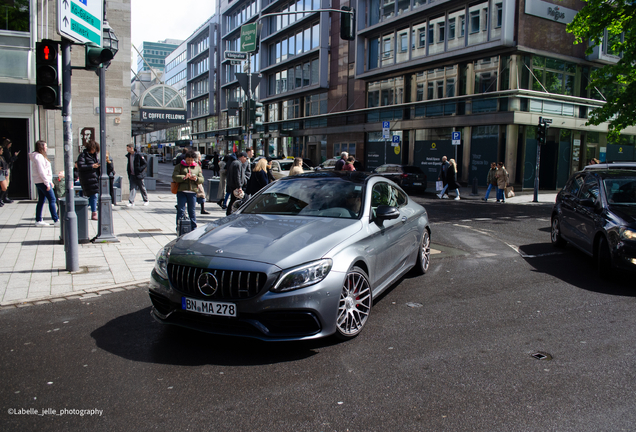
[(14, 15)]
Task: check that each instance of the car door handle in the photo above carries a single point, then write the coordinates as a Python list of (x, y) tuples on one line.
[(404, 218)]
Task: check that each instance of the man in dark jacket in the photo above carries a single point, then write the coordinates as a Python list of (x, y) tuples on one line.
[(235, 179), (136, 170), (341, 162), (442, 176)]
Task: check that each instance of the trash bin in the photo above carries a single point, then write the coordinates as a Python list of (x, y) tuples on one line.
[(81, 211), (213, 188)]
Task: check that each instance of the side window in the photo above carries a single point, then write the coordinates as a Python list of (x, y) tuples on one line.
[(401, 198), (380, 195), (574, 185), (590, 188)]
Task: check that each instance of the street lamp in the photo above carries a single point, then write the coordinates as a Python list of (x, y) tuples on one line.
[(105, 232)]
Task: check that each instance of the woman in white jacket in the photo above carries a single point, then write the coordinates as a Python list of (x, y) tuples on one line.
[(43, 178)]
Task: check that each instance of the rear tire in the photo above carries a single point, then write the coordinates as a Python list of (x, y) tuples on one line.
[(423, 254)]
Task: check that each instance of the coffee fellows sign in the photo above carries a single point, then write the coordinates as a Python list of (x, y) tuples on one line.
[(162, 116)]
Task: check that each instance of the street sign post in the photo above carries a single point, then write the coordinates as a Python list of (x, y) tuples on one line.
[(457, 138), (395, 141), (248, 38), (81, 20), (386, 126)]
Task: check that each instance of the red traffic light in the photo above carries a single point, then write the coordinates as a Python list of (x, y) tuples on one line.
[(47, 51)]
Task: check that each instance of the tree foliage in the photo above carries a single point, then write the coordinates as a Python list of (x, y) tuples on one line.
[(617, 82)]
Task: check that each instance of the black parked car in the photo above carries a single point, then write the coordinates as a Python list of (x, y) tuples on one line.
[(596, 212), (207, 161), (408, 177)]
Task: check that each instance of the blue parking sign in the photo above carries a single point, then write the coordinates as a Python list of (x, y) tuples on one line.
[(386, 125), (456, 138), (395, 139)]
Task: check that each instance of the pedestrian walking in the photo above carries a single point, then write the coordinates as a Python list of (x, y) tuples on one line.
[(42, 177), (236, 181), (110, 170), (349, 165), (136, 169), (491, 179), (4, 174), (10, 157), (215, 165), (259, 177), (341, 162), (228, 159), (189, 176), (442, 176), (502, 182), (297, 167), (220, 192), (451, 178), (200, 189), (89, 171)]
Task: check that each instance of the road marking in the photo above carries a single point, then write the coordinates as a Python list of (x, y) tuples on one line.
[(525, 255)]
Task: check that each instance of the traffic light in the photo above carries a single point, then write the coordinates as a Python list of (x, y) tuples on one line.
[(47, 73), (256, 117), (96, 56), (541, 129), (347, 23)]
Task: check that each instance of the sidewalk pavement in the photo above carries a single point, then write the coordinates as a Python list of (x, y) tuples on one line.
[(33, 260)]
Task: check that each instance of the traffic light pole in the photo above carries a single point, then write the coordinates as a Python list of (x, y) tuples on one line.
[(70, 218), (536, 174)]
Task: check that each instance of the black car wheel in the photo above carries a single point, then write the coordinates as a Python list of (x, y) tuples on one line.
[(355, 304), (555, 234), (604, 258), (424, 254)]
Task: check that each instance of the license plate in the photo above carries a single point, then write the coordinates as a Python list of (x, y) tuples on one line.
[(208, 307), (417, 184)]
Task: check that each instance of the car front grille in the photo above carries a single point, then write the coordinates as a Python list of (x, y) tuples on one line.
[(231, 284)]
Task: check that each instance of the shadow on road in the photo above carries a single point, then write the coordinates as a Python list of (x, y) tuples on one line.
[(577, 269), (138, 337)]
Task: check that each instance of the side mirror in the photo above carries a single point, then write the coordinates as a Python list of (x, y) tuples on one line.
[(385, 212)]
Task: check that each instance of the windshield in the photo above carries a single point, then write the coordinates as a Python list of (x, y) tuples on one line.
[(620, 190), (317, 197)]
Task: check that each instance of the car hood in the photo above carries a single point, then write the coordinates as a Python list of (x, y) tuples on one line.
[(625, 212), (284, 241)]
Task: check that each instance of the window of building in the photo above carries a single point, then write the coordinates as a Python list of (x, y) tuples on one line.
[(386, 92), (316, 104), (474, 21), (499, 9)]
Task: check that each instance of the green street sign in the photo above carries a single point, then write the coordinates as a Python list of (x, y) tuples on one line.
[(248, 37)]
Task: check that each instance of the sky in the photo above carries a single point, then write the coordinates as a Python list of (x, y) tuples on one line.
[(155, 20)]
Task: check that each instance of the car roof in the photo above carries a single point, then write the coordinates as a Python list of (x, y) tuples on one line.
[(611, 165), (611, 173), (352, 176)]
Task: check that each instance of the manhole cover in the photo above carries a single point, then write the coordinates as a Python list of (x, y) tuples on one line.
[(541, 356)]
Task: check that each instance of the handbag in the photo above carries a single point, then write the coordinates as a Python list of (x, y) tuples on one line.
[(200, 191), (238, 193), (174, 187), (439, 185), (510, 191)]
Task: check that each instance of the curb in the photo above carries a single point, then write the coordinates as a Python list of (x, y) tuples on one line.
[(81, 295)]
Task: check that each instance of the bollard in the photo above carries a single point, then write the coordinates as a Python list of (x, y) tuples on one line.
[(475, 190)]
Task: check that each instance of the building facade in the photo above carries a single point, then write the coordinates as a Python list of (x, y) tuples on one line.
[(155, 53), (424, 70), (24, 122)]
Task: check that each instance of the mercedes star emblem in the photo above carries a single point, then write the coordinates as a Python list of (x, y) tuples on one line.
[(207, 284)]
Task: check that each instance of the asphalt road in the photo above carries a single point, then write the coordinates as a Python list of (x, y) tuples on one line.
[(451, 350)]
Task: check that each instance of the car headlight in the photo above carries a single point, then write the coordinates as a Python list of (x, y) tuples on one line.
[(161, 260), (627, 234), (302, 276)]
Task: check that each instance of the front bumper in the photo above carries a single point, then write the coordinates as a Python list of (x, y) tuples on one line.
[(625, 256), (306, 313)]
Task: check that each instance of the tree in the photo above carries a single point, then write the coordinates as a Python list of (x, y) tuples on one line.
[(617, 82)]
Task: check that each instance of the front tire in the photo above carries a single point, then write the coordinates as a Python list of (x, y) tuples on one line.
[(555, 233), (604, 259), (424, 254), (354, 305)]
